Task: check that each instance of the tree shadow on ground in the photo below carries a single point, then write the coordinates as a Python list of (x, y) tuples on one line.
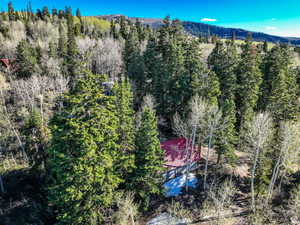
[(24, 201)]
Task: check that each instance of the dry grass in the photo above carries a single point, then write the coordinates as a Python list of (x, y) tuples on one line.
[(178, 210), (127, 212)]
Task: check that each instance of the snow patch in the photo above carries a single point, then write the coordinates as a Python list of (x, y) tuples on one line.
[(166, 219)]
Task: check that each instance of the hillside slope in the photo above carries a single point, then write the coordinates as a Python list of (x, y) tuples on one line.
[(197, 29)]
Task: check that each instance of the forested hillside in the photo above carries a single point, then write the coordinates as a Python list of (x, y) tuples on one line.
[(85, 104), (204, 30)]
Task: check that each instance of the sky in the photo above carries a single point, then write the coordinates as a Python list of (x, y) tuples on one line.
[(275, 17)]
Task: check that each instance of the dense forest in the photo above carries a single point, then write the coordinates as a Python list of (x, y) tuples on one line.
[(85, 104)]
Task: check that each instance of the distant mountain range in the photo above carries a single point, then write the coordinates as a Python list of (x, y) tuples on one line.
[(197, 29)]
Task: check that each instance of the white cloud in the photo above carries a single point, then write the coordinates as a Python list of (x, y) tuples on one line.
[(271, 28), (273, 19), (208, 20)]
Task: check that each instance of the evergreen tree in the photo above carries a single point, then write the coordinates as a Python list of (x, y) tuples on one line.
[(149, 159), (39, 14), (249, 79), (84, 154), (204, 82), (265, 47), (26, 59), (11, 12), (54, 12), (223, 61), (134, 64), (125, 130), (153, 62), (140, 30), (36, 139), (123, 27), (78, 14), (282, 96), (62, 43), (72, 50), (52, 50), (61, 14), (113, 30), (45, 13)]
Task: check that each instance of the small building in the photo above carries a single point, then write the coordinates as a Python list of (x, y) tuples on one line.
[(5, 63), (179, 153)]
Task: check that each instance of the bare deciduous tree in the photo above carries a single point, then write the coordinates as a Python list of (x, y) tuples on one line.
[(219, 199), (207, 119), (127, 210), (261, 129), (289, 156)]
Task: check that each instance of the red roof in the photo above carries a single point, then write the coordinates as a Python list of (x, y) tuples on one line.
[(5, 62), (176, 154)]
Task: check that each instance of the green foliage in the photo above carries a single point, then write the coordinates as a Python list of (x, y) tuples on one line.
[(126, 129), (36, 138), (113, 30), (99, 24), (72, 53), (149, 159), (123, 28), (52, 50), (249, 79), (84, 154), (26, 59), (223, 61), (11, 12), (62, 43), (280, 89)]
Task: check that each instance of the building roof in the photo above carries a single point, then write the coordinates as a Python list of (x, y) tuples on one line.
[(176, 154), (5, 62)]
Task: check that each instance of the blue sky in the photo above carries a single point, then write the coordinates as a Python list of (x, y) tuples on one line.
[(269, 16)]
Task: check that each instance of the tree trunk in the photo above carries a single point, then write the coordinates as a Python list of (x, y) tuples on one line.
[(206, 162), (1, 185), (252, 179)]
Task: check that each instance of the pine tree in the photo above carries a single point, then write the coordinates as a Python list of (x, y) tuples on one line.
[(271, 65), (125, 130), (36, 139), (152, 62), (84, 154), (204, 82), (54, 12), (131, 53), (149, 159), (26, 59), (52, 50), (140, 31), (113, 30), (39, 14), (123, 27), (62, 43), (223, 61), (265, 47), (282, 90), (45, 13), (61, 14), (134, 64), (249, 79), (78, 14), (11, 12), (176, 81), (72, 50)]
